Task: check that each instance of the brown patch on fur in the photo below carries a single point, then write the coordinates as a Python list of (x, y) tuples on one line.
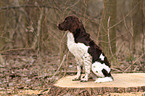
[(70, 23)]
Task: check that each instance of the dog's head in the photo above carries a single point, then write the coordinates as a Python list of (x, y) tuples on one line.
[(71, 23)]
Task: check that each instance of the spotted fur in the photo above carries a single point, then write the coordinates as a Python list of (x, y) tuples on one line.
[(86, 52)]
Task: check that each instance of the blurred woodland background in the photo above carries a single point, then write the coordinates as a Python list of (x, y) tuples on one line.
[(33, 50)]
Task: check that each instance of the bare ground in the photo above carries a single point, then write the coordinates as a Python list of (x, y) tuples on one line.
[(27, 72)]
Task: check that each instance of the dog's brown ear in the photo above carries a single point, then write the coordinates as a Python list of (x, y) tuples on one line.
[(77, 32)]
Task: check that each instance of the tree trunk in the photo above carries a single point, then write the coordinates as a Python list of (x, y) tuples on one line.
[(109, 43), (137, 18), (2, 23), (1, 60), (126, 82)]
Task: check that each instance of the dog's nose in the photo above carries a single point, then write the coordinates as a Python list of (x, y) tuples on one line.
[(57, 25)]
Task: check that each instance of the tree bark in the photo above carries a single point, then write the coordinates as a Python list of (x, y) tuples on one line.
[(124, 82), (2, 23), (137, 18)]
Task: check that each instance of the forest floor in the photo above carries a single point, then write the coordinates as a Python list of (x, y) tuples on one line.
[(25, 70), (26, 73)]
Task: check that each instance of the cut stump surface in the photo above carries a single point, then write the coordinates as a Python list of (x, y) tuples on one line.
[(123, 82), (120, 80)]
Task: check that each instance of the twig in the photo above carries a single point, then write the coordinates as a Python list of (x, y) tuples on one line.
[(109, 38), (61, 47), (37, 37), (59, 66), (101, 21), (18, 49), (125, 16), (127, 68), (72, 5), (31, 6), (90, 19), (133, 62), (66, 66), (125, 24), (138, 58), (119, 48), (109, 42), (45, 91), (117, 70)]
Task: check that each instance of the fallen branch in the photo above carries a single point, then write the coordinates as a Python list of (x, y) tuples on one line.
[(59, 66)]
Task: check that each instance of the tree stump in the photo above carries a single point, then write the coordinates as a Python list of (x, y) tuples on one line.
[(123, 82)]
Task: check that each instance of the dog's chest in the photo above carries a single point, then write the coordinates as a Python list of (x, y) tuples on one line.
[(77, 49)]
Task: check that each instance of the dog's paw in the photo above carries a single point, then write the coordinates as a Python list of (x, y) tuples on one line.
[(84, 79), (76, 79)]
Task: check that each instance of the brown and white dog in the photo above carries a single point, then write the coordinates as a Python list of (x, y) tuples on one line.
[(86, 52)]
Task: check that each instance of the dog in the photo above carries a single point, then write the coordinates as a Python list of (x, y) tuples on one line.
[(87, 54)]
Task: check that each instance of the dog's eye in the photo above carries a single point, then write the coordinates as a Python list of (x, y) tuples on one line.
[(65, 19)]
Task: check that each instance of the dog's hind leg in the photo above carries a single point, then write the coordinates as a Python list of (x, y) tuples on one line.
[(92, 76)]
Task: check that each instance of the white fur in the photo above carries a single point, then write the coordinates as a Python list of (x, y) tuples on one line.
[(97, 68), (105, 79), (80, 51), (78, 73), (102, 57), (77, 49)]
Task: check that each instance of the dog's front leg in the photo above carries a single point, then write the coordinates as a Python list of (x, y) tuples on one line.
[(87, 65), (78, 76)]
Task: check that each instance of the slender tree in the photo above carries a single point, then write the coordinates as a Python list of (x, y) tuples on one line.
[(137, 18), (109, 43), (2, 22)]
